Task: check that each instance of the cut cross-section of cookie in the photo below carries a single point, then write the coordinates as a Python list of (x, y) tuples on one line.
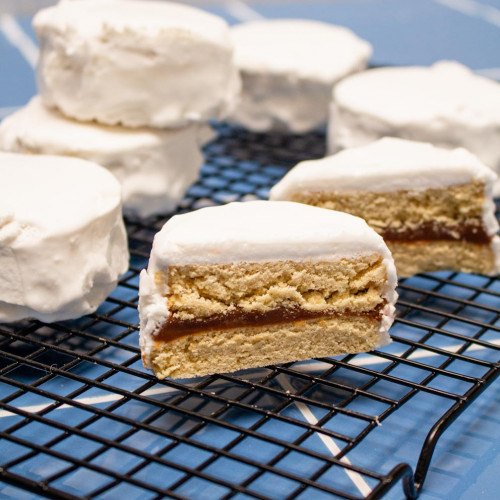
[(432, 206), (257, 283)]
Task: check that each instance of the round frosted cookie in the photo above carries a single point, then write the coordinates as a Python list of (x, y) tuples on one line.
[(257, 283), (288, 68), (136, 63), (444, 104), (155, 167), (63, 244)]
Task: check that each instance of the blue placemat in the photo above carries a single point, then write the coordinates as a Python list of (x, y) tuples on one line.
[(466, 461)]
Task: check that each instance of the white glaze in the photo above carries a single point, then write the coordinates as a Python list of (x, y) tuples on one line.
[(256, 231), (445, 104), (288, 69), (388, 164), (155, 167), (63, 244), (139, 63)]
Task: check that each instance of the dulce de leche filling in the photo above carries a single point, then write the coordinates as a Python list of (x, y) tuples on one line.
[(176, 328), (431, 231)]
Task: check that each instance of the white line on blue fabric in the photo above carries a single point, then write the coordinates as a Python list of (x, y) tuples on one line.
[(95, 400), (330, 444), (472, 8), (17, 37), (241, 11), (312, 366), (372, 359)]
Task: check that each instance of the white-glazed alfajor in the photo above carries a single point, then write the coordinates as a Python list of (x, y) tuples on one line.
[(63, 244)]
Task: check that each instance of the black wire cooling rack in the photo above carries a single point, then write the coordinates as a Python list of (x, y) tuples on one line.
[(80, 417)]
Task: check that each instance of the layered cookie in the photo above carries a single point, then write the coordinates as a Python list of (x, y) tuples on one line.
[(444, 104), (432, 206), (155, 167), (62, 240), (139, 63), (288, 68), (252, 284)]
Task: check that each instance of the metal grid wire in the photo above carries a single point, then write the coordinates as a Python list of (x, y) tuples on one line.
[(80, 417)]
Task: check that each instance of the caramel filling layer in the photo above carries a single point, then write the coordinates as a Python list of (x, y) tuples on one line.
[(174, 328), (430, 231)]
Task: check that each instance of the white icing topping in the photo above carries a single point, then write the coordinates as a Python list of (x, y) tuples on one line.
[(288, 69), (136, 63), (445, 104), (260, 231), (155, 167), (142, 16), (388, 164), (257, 231), (62, 240), (298, 47)]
